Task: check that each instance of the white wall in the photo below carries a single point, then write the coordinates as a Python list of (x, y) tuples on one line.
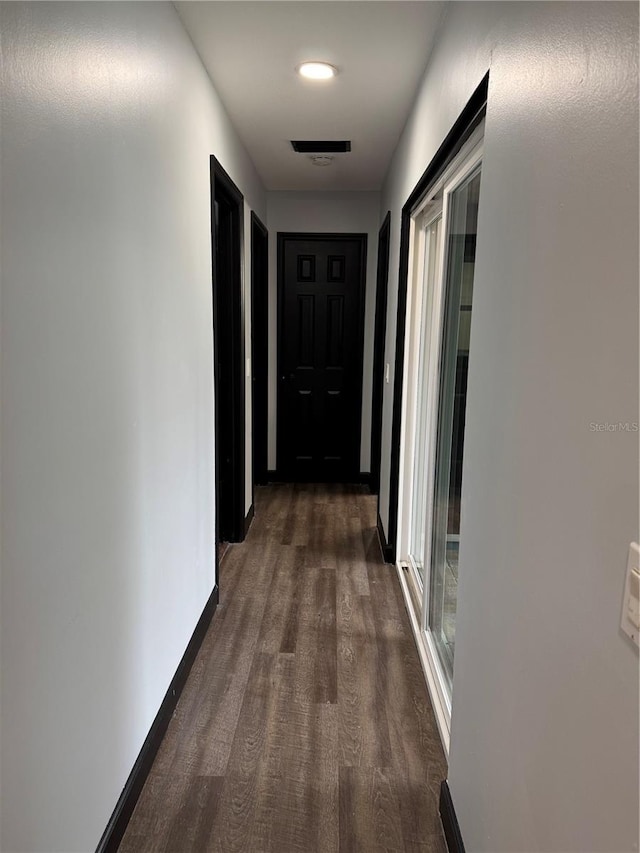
[(544, 743), (332, 212), (108, 121)]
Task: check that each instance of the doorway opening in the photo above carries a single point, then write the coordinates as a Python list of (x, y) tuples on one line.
[(227, 212), (442, 231), (259, 348), (382, 279)]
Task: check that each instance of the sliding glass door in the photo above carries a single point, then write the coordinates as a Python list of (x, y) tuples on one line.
[(443, 249), (452, 404), (431, 250)]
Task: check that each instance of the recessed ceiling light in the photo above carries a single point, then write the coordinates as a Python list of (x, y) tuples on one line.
[(317, 70)]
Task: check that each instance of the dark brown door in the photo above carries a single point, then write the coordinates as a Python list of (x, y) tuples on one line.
[(321, 307)]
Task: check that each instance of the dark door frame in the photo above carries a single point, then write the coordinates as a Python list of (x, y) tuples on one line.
[(467, 121), (362, 240), (229, 360), (259, 348), (382, 280)]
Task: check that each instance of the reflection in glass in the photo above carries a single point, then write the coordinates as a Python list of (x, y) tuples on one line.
[(458, 297)]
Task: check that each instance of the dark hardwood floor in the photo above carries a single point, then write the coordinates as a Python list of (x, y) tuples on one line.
[(305, 724)]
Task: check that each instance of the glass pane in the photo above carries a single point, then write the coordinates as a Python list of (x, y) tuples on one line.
[(420, 478), (458, 298)]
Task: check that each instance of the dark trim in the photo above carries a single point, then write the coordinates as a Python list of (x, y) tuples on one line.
[(364, 479), (259, 349), (387, 553), (248, 519), (225, 188), (468, 120), (450, 824), (119, 820), (275, 477), (282, 237), (380, 333)]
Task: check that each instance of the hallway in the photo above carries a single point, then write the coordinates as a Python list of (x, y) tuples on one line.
[(156, 161), (305, 724)]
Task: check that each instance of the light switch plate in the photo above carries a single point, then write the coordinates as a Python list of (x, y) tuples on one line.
[(630, 620)]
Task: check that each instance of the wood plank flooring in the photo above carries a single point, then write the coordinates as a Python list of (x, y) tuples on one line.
[(305, 725)]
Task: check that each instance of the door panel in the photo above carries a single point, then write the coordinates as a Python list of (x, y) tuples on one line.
[(335, 332), (306, 330), (320, 356)]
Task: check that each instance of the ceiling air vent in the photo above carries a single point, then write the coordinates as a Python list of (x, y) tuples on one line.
[(314, 146)]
